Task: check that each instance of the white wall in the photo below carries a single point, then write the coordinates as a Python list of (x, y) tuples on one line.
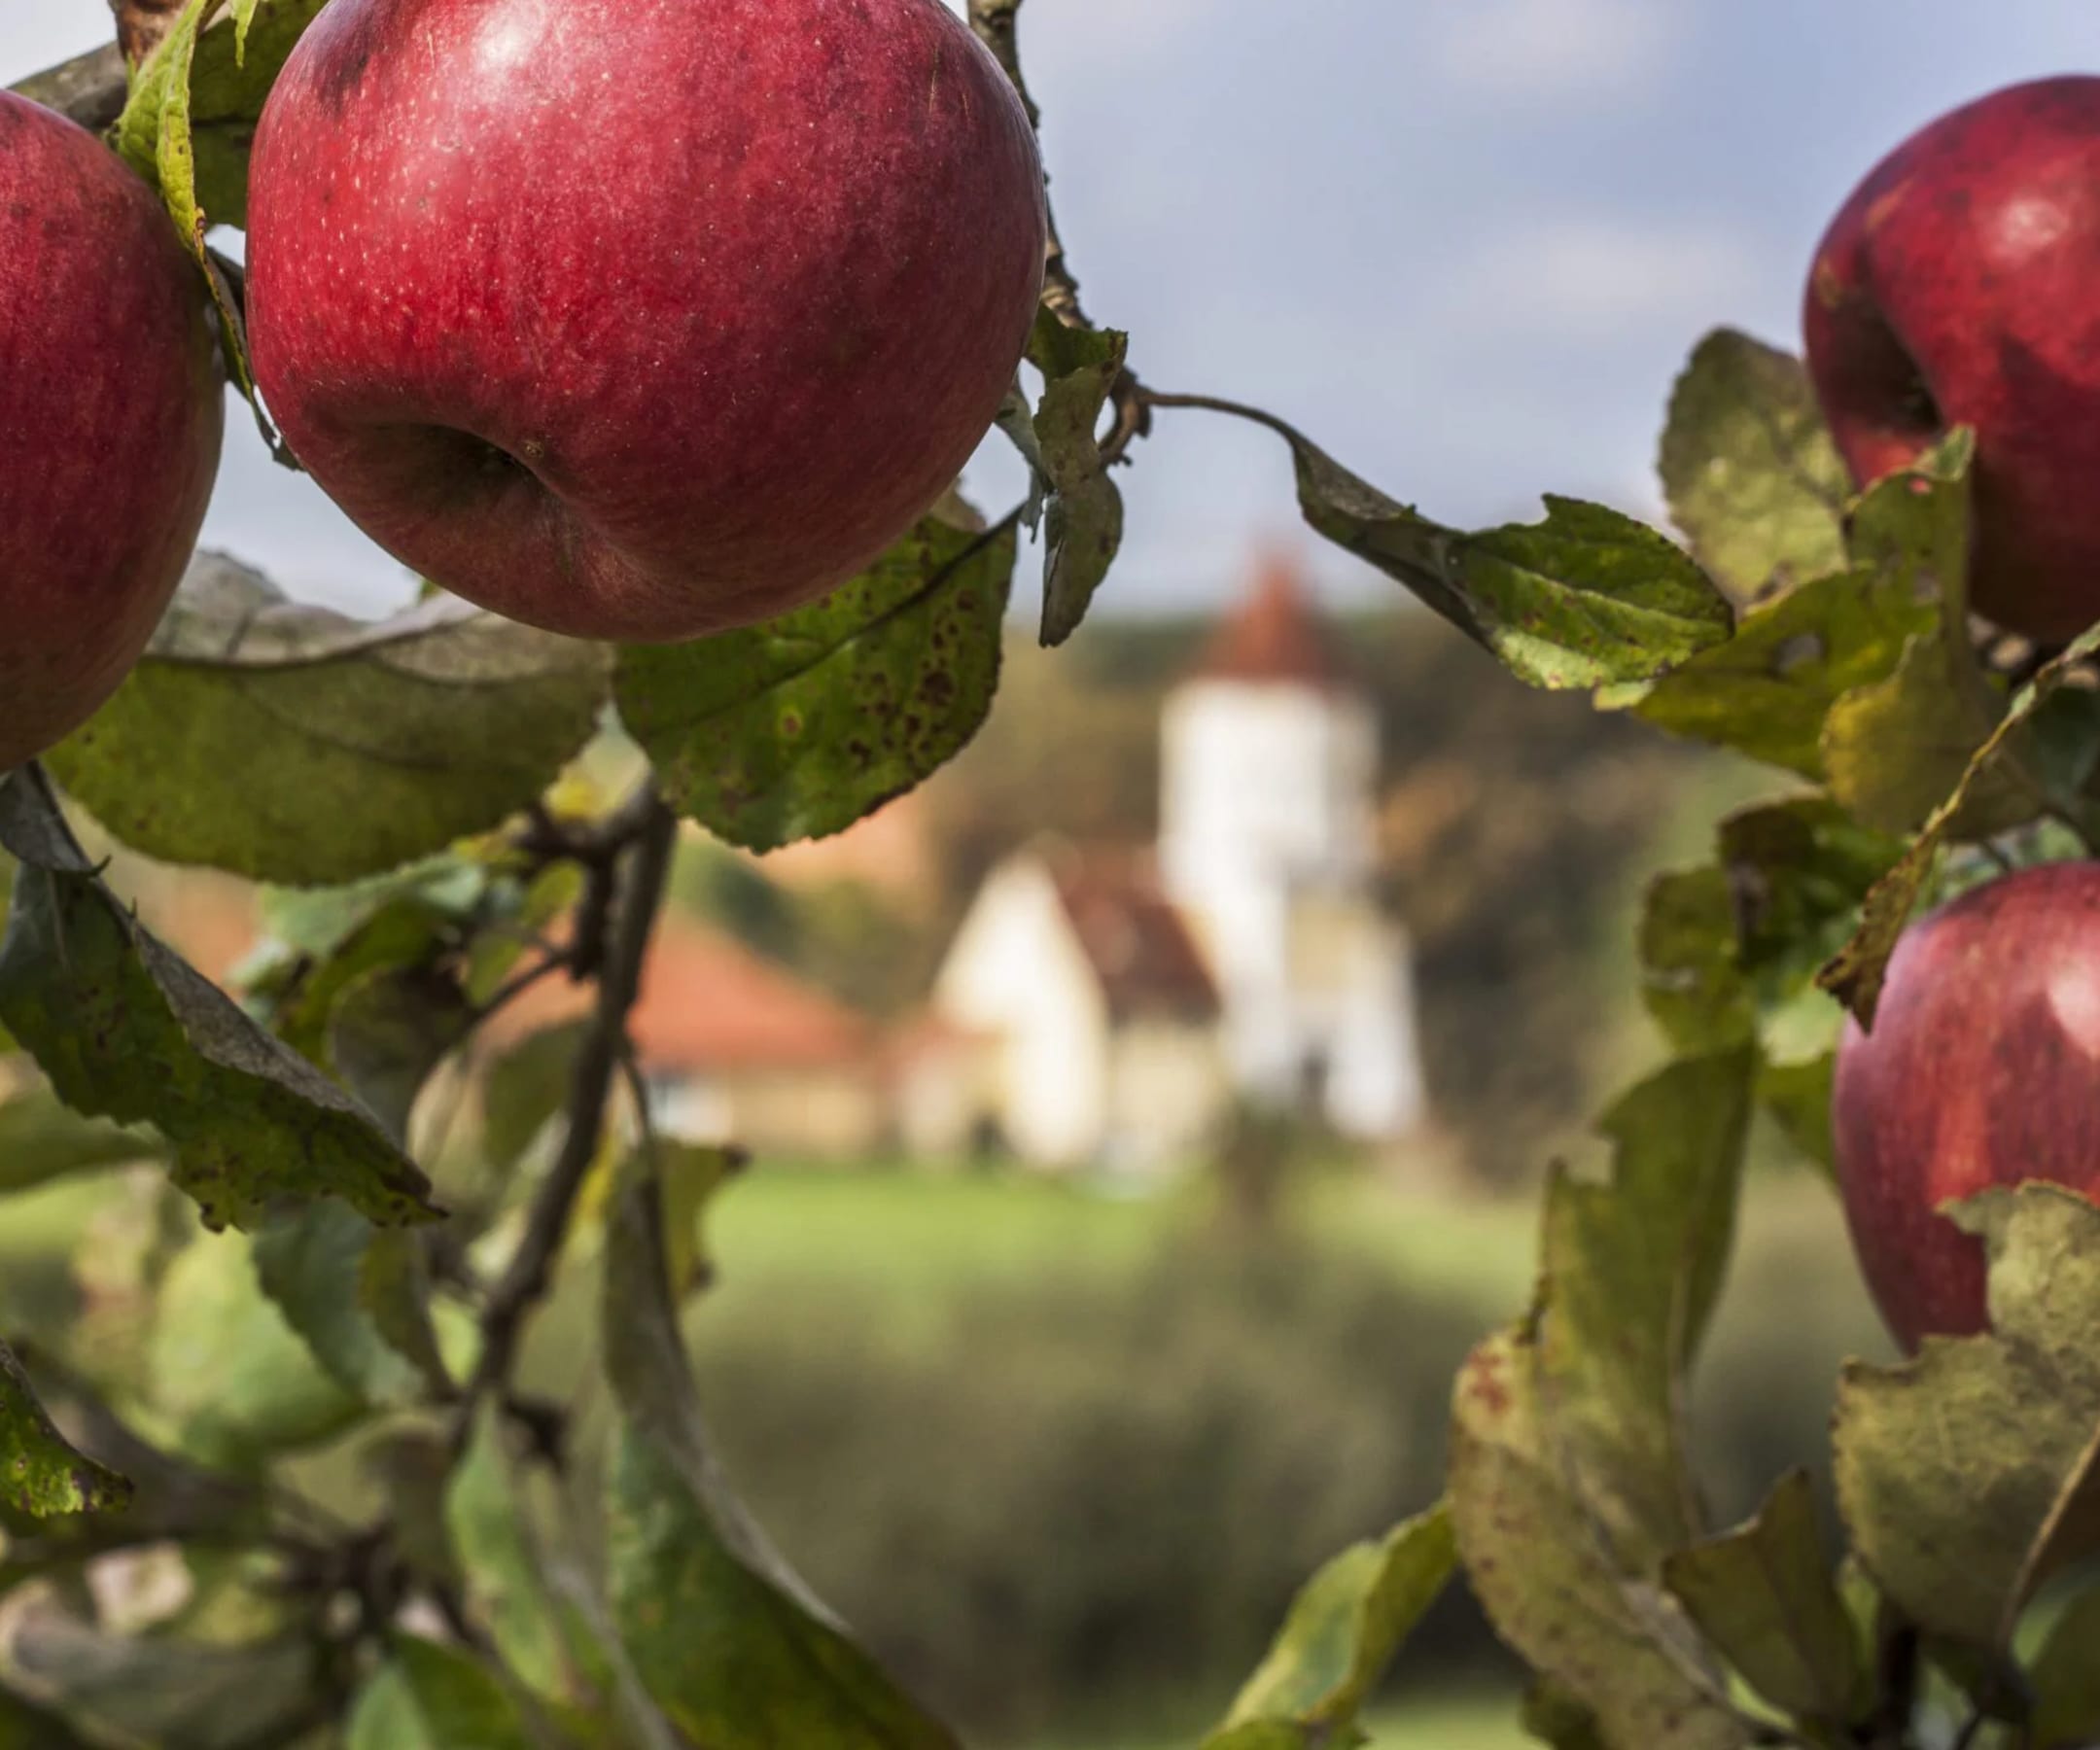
[(1169, 1085), (1017, 969), (1268, 826), (1275, 779)]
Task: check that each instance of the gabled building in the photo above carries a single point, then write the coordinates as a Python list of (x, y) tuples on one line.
[(1097, 1015), (1131, 1000)]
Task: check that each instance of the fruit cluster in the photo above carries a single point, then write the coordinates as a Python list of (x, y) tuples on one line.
[(631, 322), (1957, 287)]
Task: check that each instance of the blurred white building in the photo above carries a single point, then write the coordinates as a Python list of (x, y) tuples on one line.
[(1128, 1001)]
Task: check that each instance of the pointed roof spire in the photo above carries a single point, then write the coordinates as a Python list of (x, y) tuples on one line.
[(1275, 634)]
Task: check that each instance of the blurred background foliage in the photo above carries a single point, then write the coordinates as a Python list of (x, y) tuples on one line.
[(1062, 1456)]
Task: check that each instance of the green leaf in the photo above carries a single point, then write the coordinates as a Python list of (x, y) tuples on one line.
[(40, 1472), (227, 1372), (402, 933), (1767, 1599), (293, 745), (1855, 975), (729, 1642), (1799, 1095), (1690, 977), (1769, 691), (801, 726), (41, 1140), (1343, 1631), (127, 1031), (1749, 468), (389, 1031), (1587, 598), (523, 1090), (359, 1295), (1893, 747), (1892, 751), (165, 1692), (502, 1569), (692, 1175), (1569, 1477), (1967, 1476), (461, 1702), (1798, 870), (2065, 1677), (385, 1715), (26, 1727), (154, 134), (1632, 1267), (237, 61), (1553, 1717), (1085, 530), (171, 1498), (191, 117)]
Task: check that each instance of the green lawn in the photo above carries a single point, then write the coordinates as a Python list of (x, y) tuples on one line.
[(907, 1229)]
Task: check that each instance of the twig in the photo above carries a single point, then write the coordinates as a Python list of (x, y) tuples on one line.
[(1213, 404), (141, 24), (997, 27), (624, 935), (556, 960)]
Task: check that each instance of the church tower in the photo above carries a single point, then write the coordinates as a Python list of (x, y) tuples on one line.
[(1269, 776)]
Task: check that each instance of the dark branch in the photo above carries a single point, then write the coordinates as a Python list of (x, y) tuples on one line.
[(141, 24), (89, 89), (620, 915)]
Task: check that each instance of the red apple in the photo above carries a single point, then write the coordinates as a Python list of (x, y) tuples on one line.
[(1960, 285), (110, 412), (1983, 1069), (638, 319)]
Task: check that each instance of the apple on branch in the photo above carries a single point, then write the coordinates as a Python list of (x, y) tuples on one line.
[(110, 428), (640, 319), (1983, 1069), (1960, 285)]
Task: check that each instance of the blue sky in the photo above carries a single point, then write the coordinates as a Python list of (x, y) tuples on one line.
[(1464, 243)]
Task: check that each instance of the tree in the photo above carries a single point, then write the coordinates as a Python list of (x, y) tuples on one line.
[(400, 786)]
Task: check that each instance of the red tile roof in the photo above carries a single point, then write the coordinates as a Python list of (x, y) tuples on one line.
[(1134, 936), (1275, 634), (709, 1003)]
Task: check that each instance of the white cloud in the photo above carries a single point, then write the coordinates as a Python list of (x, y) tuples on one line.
[(1535, 51), (1594, 278)]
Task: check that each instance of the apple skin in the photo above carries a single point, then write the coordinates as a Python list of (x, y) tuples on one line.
[(1982, 1069), (112, 408), (1960, 285), (640, 319)]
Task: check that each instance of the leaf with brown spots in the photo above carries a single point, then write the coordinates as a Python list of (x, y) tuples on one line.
[(1970, 1476), (799, 727), (1617, 1645), (125, 1030), (1569, 1482), (39, 1473)]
